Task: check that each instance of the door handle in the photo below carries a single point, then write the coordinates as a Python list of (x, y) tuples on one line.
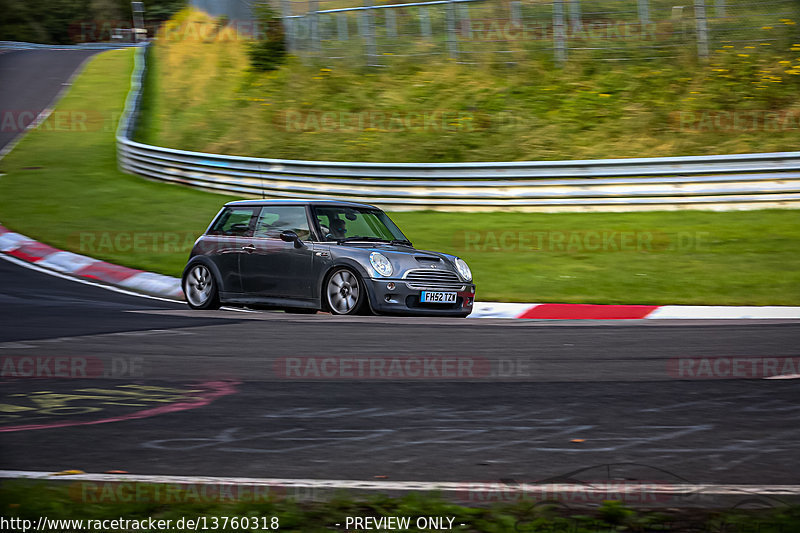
[(249, 248)]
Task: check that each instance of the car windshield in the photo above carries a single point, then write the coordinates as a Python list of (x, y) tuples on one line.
[(341, 223)]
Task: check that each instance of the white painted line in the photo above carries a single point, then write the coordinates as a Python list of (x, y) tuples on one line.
[(37, 268), (787, 376), (464, 488)]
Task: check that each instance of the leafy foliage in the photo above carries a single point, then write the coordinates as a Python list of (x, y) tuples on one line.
[(74, 21), (269, 51)]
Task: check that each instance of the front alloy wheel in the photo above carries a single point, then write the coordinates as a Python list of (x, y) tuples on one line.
[(200, 288), (344, 293)]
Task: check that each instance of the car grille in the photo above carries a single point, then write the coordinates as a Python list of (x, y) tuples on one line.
[(442, 280)]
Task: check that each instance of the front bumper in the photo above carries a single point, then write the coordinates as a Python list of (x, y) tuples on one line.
[(402, 300)]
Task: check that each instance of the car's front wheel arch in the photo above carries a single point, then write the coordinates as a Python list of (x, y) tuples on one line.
[(191, 273), (345, 275)]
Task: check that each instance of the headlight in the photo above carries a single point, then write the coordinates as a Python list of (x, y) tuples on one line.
[(380, 263), (463, 269)]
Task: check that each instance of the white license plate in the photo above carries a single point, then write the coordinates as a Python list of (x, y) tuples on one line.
[(430, 297)]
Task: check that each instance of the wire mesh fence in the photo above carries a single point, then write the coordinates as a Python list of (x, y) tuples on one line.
[(515, 30)]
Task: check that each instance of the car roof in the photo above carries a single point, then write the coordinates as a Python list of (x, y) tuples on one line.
[(299, 201)]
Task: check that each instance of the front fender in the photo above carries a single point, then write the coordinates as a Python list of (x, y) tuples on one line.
[(358, 268)]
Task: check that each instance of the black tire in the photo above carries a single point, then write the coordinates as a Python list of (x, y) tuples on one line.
[(200, 287), (343, 292)]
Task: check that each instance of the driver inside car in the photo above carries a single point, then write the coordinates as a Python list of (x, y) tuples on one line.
[(338, 228)]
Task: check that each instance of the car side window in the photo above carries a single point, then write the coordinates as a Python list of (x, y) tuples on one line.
[(235, 221), (276, 219)]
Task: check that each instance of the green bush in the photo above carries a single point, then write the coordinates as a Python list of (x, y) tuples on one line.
[(268, 52)]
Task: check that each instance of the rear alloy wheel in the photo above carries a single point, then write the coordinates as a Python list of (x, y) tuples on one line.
[(200, 288), (344, 292)]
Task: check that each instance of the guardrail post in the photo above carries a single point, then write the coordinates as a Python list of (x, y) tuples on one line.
[(288, 25), (701, 27), (139, 31), (463, 17), (719, 8), (559, 31), (425, 22), (516, 12), (369, 26), (575, 17), (452, 38), (391, 23), (315, 38), (341, 26), (644, 12)]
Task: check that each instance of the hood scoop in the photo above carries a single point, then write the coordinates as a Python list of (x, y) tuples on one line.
[(427, 259)]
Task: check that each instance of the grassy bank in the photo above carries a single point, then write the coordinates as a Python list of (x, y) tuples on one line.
[(62, 180), (745, 99), (62, 187), (28, 501)]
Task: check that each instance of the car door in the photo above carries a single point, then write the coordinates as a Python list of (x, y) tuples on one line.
[(225, 243), (273, 268)]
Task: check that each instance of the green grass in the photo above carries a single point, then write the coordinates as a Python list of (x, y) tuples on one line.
[(693, 257), (30, 501), (209, 100), (63, 188)]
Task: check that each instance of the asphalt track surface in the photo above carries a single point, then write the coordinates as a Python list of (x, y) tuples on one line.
[(120, 382), (228, 407), (29, 81)]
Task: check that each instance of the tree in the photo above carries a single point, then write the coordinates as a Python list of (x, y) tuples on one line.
[(66, 21), (269, 50)]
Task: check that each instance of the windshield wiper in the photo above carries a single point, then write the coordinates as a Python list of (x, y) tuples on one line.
[(402, 242)]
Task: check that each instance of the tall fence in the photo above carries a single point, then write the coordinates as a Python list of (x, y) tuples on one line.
[(513, 30)]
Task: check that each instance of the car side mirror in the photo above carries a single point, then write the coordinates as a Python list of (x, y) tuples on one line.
[(290, 236)]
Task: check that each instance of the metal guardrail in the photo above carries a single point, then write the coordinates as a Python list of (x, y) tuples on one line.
[(16, 45), (747, 181)]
